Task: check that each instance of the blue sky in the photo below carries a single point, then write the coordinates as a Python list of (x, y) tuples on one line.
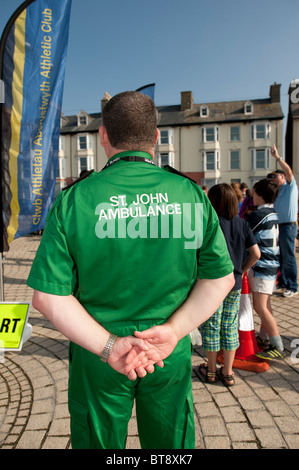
[(220, 49)]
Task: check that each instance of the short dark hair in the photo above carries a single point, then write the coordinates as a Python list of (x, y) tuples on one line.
[(276, 172), (224, 200), (268, 189), (130, 119)]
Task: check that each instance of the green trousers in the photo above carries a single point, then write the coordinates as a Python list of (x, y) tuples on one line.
[(101, 399)]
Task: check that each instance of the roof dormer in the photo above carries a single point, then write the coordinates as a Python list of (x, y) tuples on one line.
[(203, 111), (82, 119), (248, 107)]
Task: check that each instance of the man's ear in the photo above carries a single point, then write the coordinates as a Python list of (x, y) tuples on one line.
[(157, 135), (103, 136)]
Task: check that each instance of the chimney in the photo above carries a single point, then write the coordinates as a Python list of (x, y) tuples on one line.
[(186, 100), (104, 100), (275, 93)]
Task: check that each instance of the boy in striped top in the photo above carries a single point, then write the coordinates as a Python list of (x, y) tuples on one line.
[(262, 277)]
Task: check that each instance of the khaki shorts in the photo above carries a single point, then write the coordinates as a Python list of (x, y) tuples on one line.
[(257, 284)]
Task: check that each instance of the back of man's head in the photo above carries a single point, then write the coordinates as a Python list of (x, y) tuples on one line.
[(130, 119), (268, 189)]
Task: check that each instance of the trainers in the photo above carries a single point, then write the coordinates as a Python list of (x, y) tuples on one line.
[(289, 293), (262, 343), (270, 354), (279, 290)]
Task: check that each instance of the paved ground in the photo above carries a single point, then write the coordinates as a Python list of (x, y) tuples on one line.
[(260, 412)]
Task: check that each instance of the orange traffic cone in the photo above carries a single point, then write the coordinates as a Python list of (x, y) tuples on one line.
[(245, 355), (248, 345)]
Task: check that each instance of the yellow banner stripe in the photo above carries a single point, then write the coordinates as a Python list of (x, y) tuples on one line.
[(16, 116)]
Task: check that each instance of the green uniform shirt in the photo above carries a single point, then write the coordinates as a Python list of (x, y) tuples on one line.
[(129, 242)]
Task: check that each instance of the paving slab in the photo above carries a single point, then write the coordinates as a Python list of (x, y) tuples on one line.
[(261, 411)]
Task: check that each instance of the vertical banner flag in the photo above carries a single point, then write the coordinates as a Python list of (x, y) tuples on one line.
[(32, 58), (148, 90)]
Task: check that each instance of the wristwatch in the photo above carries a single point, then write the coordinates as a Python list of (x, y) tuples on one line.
[(107, 348)]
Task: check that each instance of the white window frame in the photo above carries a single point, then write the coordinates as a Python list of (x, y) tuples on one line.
[(254, 132), (253, 159), (248, 107), (161, 157), (239, 160), (168, 135), (205, 163), (89, 142), (204, 111), (231, 134), (61, 143), (79, 119), (215, 134), (61, 168), (89, 163)]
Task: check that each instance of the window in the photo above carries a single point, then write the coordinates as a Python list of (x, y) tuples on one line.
[(61, 143), (204, 111), (260, 159), (235, 133), (209, 182), (61, 168), (210, 161), (166, 136), (210, 134), (82, 120), (248, 108), (82, 164), (260, 131), (85, 163), (84, 142), (166, 158), (235, 159)]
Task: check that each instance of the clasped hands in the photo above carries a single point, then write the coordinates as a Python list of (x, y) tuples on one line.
[(136, 356)]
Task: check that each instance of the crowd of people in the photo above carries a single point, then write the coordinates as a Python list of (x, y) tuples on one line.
[(260, 228)]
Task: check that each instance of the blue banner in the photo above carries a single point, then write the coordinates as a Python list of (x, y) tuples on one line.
[(148, 90), (33, 68)]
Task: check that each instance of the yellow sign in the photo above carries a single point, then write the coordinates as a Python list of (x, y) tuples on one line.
[(13, 319)]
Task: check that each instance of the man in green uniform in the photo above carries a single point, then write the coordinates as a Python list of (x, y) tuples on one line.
[(132, 259)]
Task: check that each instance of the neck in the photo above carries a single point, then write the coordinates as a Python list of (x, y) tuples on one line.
[(113, 151)]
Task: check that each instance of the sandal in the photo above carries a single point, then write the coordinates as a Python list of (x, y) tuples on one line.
[(228, 380), (211, 377)]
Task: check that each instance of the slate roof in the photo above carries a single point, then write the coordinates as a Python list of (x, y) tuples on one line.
[(229, 111), (220, 112), (69, 124)]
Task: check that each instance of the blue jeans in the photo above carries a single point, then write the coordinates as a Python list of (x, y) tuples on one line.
[(288, 265)]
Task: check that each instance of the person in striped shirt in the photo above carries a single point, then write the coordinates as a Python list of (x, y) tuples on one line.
[(262, 276)]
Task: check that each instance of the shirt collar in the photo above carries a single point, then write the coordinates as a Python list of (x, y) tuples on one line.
[(135, 153), (266, 205)]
